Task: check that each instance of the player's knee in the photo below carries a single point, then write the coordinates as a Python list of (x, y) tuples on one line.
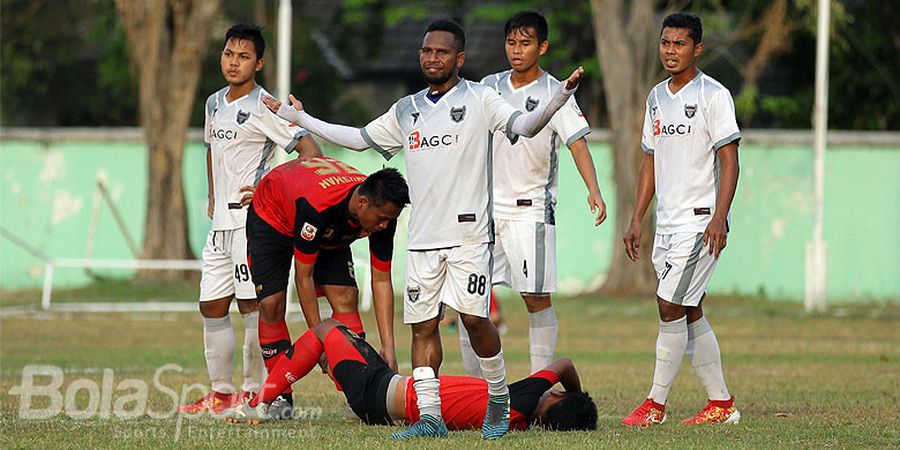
[(215, 309), (343, 299), (425, 330), (248, 306), (669, 311), (475, 324)]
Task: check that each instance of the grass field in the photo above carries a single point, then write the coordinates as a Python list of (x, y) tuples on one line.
[(829, 380)]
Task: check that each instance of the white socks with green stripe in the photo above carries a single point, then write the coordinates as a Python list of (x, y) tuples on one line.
[(542, 334), (218, 344), (670, 347), (428, 392), (254, 369), (703, 352)]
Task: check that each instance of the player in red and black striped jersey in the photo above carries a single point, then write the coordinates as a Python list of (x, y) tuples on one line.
[(309, 211), (379, 396)]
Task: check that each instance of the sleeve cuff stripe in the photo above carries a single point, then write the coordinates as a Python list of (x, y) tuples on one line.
[(578, 135), (365, 135), (734, 137)]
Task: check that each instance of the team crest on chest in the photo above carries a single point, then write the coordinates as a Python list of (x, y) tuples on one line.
[(690, 110), (458, 114), (242, 117), (531, 103), (412, 292)]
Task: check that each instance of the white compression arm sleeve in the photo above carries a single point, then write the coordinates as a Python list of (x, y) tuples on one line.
[(342, 135), (532, 123)]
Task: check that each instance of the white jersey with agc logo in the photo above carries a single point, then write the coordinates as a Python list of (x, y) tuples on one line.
[(448, 147), (242, 136), (526, 173), (683, 131)]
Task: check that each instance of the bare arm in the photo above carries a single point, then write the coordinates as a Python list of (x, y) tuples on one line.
[(646, 189), (308, 148), (210, 194), (716, 232), (567, 374), (383, 293), (585, 164), (306, 291)]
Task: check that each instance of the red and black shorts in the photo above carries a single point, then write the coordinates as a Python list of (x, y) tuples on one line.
[(271, 253), (361, 372)]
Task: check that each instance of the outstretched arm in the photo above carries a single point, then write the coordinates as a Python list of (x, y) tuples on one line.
[(530, 124), (349, 137), (585, 164)]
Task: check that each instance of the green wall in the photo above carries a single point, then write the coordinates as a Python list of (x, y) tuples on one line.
[(48, 193)]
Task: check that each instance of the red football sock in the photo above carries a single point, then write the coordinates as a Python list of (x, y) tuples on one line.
[(274, 340), (292, 366), (351, 320)]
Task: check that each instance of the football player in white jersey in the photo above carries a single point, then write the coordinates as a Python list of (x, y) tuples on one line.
[(240, 137), (445, 131), (690, 143), (525, 187)]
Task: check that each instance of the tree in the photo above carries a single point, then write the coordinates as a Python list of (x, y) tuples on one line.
[(167, 40), (626, 50)]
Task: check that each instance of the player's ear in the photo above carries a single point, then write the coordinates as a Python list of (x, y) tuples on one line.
[(260, 63), (544, 47), (460, 59), (698, 49)]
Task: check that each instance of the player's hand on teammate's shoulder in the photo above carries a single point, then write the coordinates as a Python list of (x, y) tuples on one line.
[(246, 195), (716, 235), (598, 206), (633, 241), (573, 79)]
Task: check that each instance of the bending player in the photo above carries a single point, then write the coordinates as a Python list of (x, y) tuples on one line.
[(690, 144), (379, 396), (526, 175), (446, 131), (240, 136), (309, 211)]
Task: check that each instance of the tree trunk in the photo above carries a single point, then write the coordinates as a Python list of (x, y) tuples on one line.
[(167, 40), (626, 47)]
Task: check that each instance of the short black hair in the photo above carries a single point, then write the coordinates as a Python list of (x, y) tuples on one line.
[(386, 185), (685, 20), (527, 19), (459, 36), (250, 32), (576, 411)]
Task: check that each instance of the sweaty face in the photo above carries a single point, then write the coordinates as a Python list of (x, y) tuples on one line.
[(373, 219), (677, 51), (438, 57), (239, 62), (523, 49)]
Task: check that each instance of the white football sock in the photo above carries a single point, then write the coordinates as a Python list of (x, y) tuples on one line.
[(253, 361), (428, 392), (218, 342), (542, 333), (670, 347), (469, 358), (706, 359), (494, 371)]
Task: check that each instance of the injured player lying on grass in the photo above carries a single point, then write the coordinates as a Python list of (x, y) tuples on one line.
[(379, 396)]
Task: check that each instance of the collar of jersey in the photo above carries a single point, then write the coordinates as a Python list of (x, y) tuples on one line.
[(428, 102), (522, 88), (669, 91)]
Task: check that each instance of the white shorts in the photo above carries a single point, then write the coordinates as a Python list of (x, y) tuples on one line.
[(684, 267), (224, 271), (525, 256), (459, 277)]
